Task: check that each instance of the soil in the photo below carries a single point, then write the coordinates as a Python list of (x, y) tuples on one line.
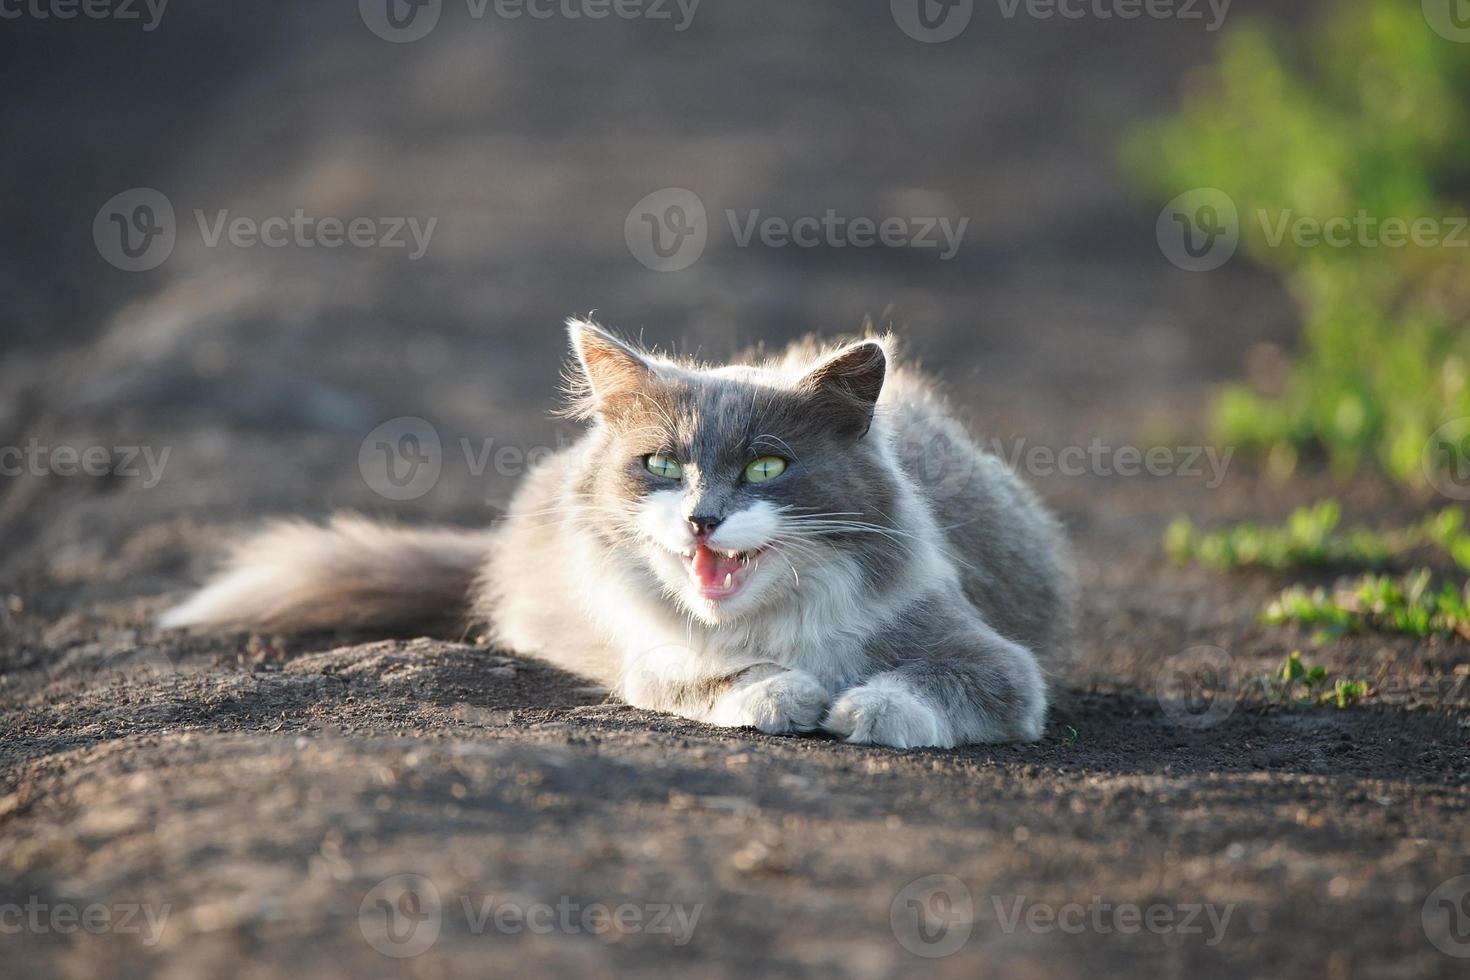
[(259, 796)]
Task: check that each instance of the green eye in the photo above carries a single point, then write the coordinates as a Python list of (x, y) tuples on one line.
[(661, 465), (765, 468)]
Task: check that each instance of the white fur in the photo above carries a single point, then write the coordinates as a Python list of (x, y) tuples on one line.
[(747, 529), (886, 711), (790, 701), (352, 573), (661, 518)]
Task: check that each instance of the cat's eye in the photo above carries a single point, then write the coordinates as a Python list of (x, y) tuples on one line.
[(765, 468), (660, 465)]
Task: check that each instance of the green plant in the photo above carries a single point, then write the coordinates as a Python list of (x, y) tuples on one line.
[(1409, 605), (1373, 128), (1296, 683), (1310, 538)]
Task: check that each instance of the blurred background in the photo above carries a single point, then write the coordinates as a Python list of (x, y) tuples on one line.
[(248, 246), (528, 142)]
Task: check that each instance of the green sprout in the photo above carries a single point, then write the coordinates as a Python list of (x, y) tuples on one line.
[(1296, 683), (1410, 605), (1310, 538)]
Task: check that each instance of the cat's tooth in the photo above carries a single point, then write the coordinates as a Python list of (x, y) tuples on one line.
[(728, 578), (732, 554)]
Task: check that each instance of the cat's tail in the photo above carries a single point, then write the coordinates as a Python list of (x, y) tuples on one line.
[(299, 577)]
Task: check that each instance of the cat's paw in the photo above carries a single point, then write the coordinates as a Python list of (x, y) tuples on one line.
[(791, 701), (888, 713)]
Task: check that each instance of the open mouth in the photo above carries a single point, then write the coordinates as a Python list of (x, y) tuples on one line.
[(721, 574)]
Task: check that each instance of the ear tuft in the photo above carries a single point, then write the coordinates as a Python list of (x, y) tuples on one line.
[(606, 369)]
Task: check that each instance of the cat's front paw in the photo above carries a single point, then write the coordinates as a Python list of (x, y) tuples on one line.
[(791, 701), (888, 713)]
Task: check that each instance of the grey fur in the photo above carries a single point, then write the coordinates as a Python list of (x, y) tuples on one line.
[(912, 579)]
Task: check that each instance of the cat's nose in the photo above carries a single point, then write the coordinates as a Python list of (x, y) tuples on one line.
[(703, 526)]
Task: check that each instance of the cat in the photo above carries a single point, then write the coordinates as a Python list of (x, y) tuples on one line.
[(806, 542)]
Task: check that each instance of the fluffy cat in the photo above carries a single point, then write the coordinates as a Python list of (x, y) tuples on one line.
[(809, 542)]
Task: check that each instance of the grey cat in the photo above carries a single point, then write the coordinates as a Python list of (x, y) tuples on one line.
[(807, 542)]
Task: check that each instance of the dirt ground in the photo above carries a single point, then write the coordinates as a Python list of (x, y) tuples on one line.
[(249, 805)]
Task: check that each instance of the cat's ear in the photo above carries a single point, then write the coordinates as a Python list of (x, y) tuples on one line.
[(847, 383), (607, 369)]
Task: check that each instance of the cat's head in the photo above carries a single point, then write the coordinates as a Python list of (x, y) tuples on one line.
[(736, 486)]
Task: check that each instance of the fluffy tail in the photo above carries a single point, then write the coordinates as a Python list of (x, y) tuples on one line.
[(298, 577)]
